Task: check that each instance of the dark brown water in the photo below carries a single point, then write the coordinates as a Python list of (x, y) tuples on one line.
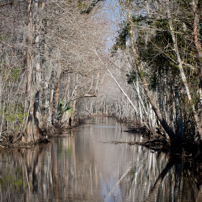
[(86, 167)]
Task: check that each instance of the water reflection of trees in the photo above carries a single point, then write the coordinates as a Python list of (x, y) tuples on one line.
[(175, 182), (80, 167), (49, 172)]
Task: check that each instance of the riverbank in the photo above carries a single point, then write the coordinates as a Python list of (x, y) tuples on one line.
[(18, 139), (157, 142)]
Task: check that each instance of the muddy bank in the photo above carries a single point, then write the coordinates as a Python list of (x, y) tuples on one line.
[(159, 142), (18, 139)]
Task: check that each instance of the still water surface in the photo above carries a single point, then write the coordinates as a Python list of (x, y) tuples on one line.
[(85, 166)]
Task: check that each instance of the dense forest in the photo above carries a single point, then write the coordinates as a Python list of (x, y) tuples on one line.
[(46, 64), (64, 60)]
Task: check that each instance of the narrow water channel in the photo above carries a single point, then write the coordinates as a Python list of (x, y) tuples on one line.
[(85, 166)]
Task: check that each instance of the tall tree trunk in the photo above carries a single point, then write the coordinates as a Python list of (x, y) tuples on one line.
[(1, 107), (73, 112), (34, 69), (29, 90), (197, 45), (56, 98), (1, 91), (32, 127)]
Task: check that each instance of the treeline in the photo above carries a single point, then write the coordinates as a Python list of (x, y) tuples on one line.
[(161, 41), (46, 64)]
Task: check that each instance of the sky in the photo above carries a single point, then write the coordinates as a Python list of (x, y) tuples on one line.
[(112, 14)]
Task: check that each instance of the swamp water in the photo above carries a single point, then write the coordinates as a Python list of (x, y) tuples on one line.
[(85, 166)]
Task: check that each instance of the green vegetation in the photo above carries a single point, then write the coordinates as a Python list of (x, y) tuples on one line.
[(14, 114), (14, 184), (63, 107)]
